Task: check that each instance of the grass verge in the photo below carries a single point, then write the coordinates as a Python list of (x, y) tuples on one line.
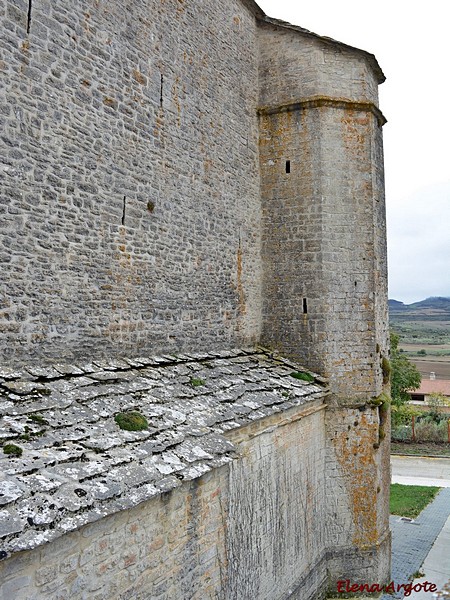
[(422, 449), (410, 500)]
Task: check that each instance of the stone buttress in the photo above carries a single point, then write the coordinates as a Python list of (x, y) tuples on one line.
[(324, 257)]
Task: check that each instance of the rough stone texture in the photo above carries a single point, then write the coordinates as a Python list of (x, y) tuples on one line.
[(182, 176), (295, 60), (130, 196), (281, 468), (323, 254), (358, 479), (223, 512), (78, 466), (325, 268)]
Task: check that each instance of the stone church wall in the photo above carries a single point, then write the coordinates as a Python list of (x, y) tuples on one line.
[(321, 159), (183, 176), (130, 204)]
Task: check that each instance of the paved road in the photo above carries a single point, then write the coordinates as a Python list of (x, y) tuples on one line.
[(412, 541), (425, 543), (436, 567), (412, 470)]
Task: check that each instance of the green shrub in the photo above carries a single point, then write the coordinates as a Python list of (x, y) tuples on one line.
[(196, 381), (401, 433), (429, 432), (402, 414), (436, 402), (404, 375)]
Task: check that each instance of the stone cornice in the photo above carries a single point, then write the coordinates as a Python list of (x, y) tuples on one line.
[(319, 101)]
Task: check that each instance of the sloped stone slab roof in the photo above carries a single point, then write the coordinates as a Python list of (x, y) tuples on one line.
[(77, 465)]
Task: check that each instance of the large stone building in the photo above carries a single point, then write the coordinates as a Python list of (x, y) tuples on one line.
[(185, 182)]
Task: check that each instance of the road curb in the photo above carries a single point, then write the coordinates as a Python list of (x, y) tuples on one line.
[(419, 456)]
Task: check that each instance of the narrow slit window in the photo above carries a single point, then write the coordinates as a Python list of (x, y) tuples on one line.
[(29, 16), (305, 306), (123, 209), (288, 166)]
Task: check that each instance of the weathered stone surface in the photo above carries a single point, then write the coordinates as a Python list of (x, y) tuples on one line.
[(9, 491), (117, 181), (176, 528), (10, 523), (179, 178), (77, 459)]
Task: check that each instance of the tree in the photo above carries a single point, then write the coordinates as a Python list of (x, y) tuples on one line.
[(404, 375), (437, 402)]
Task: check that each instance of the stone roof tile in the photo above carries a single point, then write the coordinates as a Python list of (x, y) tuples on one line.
[(74, 464)]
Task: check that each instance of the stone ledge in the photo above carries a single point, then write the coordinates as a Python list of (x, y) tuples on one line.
[(319, 101)]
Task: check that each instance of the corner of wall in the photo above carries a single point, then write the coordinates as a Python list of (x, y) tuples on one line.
[(324, 258)]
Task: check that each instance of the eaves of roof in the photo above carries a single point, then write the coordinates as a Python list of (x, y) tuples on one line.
[(263, 18)]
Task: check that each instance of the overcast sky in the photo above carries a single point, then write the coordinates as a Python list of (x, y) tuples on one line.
[(412, 45)]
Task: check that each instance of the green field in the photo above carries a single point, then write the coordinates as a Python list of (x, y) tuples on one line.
[(424, 331), (422, 323)]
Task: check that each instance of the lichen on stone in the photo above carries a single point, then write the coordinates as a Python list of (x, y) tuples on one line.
[(38, 419), (386, 370)]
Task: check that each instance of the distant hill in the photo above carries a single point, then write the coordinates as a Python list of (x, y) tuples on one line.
[(396, 305), (440, 303), (433, 302), (424, 322)]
